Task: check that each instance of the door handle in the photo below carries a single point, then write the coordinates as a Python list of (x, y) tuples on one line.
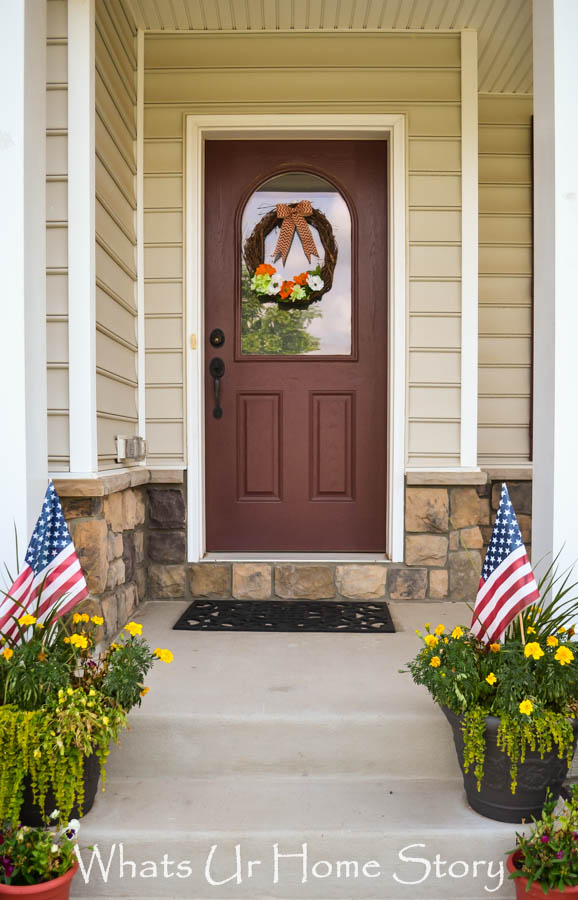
[(217, 370)]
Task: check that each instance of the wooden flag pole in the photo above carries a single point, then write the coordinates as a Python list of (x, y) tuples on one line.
[(522, 629)]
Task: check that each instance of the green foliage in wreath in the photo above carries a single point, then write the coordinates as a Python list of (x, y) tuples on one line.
[(267, 328)]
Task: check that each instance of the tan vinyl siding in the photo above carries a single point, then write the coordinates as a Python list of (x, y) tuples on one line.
[(57, 235), (414, 74), (505, 290), (116, 304)]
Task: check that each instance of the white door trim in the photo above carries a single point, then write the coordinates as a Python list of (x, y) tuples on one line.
[(313, 127)]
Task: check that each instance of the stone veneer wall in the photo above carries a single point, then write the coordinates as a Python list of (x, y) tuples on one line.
[(130, 533), (447, 528), (109, 519)]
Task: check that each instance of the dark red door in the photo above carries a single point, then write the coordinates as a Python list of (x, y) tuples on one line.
[(297, 459)]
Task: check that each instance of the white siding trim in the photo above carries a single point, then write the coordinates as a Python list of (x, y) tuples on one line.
[(140, 290), (299, 126), (469, 311), (556, 273), (81, 237), (23, 455)]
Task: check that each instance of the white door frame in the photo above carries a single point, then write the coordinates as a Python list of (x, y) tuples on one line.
[(313, 127)]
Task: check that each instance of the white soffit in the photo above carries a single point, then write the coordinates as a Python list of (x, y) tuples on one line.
[(504, 26)]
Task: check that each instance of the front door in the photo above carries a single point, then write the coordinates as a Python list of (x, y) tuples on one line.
[(296, 349)]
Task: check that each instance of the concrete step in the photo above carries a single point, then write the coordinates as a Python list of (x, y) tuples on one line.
[(362, 820), (390, 745), (288, 703), (252, 740)]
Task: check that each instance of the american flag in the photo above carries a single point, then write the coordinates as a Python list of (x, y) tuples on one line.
[(51, 578), (507, 585)]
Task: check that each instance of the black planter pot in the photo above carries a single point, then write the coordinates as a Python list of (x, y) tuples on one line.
[(30, 813), (495, 799)]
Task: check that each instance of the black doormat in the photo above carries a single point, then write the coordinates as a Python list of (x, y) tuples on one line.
[(282, 615)]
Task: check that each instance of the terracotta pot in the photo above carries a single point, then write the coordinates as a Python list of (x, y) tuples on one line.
[(30, 812), (535, 891), (495, 799), (57, 889)]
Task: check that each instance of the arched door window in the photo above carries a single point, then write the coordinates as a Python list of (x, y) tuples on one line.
[(284, 322)]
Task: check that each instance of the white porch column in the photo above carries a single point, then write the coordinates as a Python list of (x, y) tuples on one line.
[(555, 490), (81, 239), (23, 448)]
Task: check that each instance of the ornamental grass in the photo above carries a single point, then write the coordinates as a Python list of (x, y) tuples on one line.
[(62, 701)]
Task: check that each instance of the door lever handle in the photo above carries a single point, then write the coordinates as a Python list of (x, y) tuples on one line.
[(217, 370)]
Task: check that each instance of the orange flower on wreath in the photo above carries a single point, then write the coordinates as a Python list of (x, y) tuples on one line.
[(286, 289), (301, 279), (265, 269)]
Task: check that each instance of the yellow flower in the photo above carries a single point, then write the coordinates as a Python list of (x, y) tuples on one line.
[(435, 661), (457, 632), (80, 617), (443, 674), (495, 648), (70, 692), (97, 620), (446, 640), (114, 647), (144, 691), (439, 629), (37, 754), (40, 626), (564, 656), (79, 640), (534, 650), (427, 624), (27, 620), (105, 719), (7, 653), (133, 628), (165, 655), (562, 630), (491, 678), (552, 641), (431, 640), (531, 630), (526, 707), (67, 640)]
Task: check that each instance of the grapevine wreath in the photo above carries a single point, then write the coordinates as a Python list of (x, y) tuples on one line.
[(307, 287)]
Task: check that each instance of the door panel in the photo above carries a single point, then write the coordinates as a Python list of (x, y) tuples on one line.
[(297, 462)]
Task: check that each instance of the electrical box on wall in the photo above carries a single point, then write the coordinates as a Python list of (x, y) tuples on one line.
[(130, 449)]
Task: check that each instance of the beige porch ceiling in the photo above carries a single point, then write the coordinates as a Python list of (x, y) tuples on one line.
[(504, 26)]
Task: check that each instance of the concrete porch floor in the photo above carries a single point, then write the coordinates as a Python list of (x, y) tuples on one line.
[(256, 739)]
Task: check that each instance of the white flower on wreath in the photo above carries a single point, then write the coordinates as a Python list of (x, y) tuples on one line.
[(275, 285), (315, 282)]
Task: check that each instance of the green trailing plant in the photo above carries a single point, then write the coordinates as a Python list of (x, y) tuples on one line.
[(36, 855), (61, 702), (548, 855), (529, 684)]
